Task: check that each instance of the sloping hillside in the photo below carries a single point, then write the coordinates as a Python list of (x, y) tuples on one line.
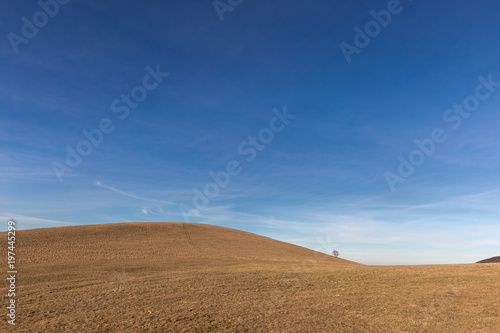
[(155, 241), (175, 277), (489, 261)]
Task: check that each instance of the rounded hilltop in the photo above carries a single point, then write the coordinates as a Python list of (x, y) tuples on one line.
[(157, 241)]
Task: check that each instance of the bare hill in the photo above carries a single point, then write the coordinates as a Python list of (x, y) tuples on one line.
[(156, 241), (490, 260), (175, 277)]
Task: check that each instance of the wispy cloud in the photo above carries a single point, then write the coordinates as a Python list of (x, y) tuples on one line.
[(152, 208), (28, 222), (131, 195)]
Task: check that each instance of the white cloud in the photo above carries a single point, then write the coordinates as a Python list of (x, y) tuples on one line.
[(28, 222)]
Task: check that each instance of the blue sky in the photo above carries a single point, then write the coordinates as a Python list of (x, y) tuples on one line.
[(319, 180)]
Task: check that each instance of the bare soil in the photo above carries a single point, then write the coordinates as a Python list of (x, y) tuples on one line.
[(490, 260), (177, 277)]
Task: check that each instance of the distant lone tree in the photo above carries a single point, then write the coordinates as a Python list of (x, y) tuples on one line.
[(335, 253)]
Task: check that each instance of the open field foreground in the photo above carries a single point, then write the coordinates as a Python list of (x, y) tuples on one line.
[(175, 277)]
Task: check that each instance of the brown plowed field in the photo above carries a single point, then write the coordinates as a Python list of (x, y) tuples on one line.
[(490, 260), (176, 277)]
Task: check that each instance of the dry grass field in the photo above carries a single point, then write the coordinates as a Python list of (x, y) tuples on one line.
[(177, 277)]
